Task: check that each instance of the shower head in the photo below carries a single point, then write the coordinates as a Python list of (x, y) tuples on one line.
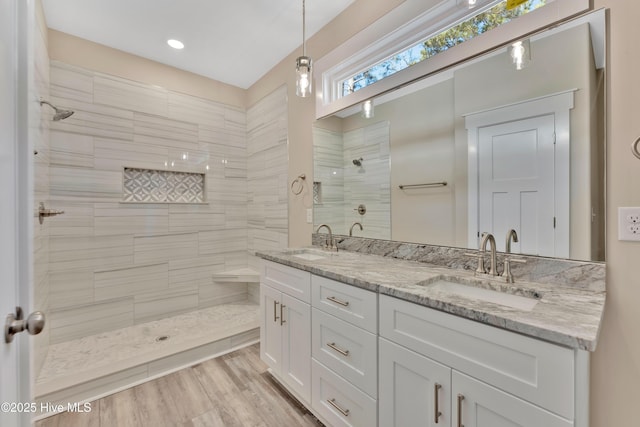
[(60, 114), (358, 162)]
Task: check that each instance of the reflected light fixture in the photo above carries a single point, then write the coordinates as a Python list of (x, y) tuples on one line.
[(520, 53), (176, 44), (303, 64), (471, 3), (367, 109)]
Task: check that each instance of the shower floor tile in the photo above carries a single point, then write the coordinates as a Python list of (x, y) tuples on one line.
[(88, 358)]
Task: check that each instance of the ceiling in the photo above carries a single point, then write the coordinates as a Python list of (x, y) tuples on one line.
[(232, 41)]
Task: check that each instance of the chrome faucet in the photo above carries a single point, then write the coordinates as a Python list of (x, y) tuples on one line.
[(353, 225), (329, 243), (511, 234), (487, 237)]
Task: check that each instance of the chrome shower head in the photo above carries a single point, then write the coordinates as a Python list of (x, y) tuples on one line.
[(358, 162), (60, 114)]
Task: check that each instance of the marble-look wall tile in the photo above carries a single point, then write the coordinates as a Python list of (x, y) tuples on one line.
[(77, 219), (71, 288), (81, 321), (207, 114), (162, 248), (69, 82), (165, 132), (69, 149), (154, 259), (115, 155), (129, 95), (216, 293), (125, 282), (95, 120), (196, 271), (170, 302), (80, 183), (133, 219), (218, 242), (267, 173), (368, 184)]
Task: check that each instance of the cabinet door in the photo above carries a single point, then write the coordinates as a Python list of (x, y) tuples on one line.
[(481, 405), (410, 387), (270, 329), (296, 345)]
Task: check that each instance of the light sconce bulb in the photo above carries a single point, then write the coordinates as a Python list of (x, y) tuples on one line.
[(520, 53), (367, 109)]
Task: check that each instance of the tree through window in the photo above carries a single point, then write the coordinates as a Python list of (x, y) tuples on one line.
[(452, 36)]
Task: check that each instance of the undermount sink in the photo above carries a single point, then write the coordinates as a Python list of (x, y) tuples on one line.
[(308, 254), (471, 291)]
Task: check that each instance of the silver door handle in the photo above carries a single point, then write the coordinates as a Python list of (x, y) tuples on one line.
[(15, 324)]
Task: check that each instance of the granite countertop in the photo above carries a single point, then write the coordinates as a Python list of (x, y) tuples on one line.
[(564, 314)]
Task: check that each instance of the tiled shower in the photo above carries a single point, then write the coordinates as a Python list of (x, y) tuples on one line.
[(342, 185), (161, 191)]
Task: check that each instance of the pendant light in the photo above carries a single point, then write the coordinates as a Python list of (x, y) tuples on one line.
[(304, 76)]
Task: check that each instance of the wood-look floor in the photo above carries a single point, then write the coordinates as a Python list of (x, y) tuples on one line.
[(231, 390)]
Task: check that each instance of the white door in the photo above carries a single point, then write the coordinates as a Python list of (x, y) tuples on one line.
[(14, 357), (481, 405), (516, 183), (412, 388)]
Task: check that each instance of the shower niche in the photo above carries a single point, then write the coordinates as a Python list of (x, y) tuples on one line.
[(162, 186)]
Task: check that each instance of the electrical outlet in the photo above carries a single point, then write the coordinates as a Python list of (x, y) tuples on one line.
[(309, 216), (629, 224)]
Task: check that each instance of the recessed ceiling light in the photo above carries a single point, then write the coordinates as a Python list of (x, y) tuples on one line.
[(176, 44)]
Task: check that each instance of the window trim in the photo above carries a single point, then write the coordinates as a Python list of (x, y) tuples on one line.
[(392, 32)]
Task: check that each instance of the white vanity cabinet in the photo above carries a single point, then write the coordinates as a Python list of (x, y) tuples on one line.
[(344, 353), (285, 312), (413, 388), (477, 375)]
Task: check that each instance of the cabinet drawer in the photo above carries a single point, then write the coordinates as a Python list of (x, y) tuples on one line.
[(537, 371), (355, 305), (346, 349), (289, 280), (338, 402)]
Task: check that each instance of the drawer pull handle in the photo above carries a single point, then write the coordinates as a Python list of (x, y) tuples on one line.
[(333, 403), (337, 301), (460, 399), (437, 412), (333, 346), (282, 321), (275, 307)]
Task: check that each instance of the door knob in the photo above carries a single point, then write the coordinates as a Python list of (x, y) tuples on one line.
[(15, 324)]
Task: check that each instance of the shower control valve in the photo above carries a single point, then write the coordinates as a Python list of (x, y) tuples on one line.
[(361, 209)]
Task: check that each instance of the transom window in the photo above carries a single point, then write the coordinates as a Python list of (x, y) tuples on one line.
[(481, 22)]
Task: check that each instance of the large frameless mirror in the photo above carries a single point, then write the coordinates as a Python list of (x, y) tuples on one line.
[(488, 145)]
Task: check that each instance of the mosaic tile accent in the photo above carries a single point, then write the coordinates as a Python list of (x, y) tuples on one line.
[(157, 186), (317, 193)]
